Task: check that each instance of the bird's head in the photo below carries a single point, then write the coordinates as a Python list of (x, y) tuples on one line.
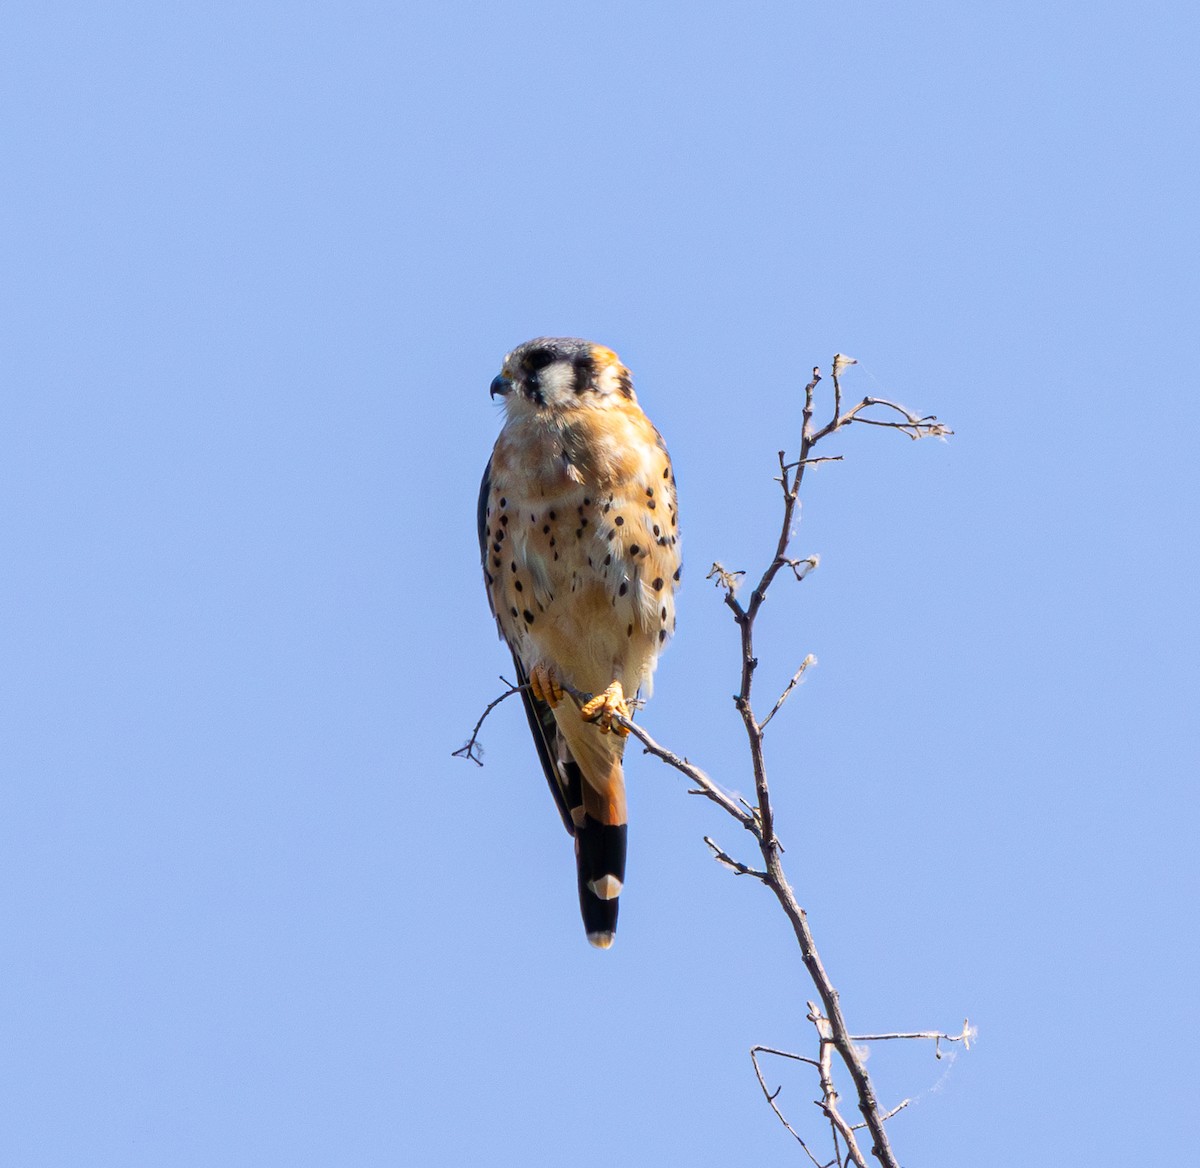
[(561, 373)]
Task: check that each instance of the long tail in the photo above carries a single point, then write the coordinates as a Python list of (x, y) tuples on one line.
[(601, 822), (600, 860), (583, 769)]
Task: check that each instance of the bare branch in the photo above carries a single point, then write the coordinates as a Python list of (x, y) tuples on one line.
[(473, 748), (894, 1111), (771, 1096), (814, 461), (704, 785), (808, 661), (729, 862), (936, 1036), (840, 362), (829, 1096)]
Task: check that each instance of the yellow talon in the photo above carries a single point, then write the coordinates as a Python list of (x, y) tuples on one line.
[(544, 686), (602, 708)]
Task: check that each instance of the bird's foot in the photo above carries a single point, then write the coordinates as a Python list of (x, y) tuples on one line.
[(602, 708), (544, 686)]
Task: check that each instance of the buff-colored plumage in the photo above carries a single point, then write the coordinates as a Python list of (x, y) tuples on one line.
[(579, 535)]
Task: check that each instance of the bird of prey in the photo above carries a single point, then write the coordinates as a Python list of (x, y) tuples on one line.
[(579, 535)]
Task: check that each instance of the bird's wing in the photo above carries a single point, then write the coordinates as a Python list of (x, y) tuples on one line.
[(566, 785)]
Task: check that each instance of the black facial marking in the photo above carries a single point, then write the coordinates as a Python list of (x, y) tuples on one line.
[(623, 589), (519, 586), (546, 529), (658, 583), (651, 504), (677, 571), (662, 635), (635, 550), (528, 617), (585, 370), (619, 521), (537, 359)]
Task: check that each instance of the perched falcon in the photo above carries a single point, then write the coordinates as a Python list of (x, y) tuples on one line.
[(579, 534)]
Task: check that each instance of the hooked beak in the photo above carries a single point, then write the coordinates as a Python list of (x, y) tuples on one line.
[(500, 385)]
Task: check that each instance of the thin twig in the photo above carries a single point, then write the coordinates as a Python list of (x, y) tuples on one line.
[(704, 784), (829, 1095), (771, 1096), (888, 1115), (936, 1036), (791, 685), (473, 748), (737, 866)]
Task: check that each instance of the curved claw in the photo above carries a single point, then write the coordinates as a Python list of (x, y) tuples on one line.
[(602, 708), (544, 686)]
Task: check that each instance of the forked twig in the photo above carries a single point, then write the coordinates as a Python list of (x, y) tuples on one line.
[(473, 748)]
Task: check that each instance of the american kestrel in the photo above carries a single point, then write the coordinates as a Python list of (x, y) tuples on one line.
[(579, 534)]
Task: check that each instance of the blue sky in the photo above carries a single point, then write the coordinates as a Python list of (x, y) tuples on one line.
[(261, 262)]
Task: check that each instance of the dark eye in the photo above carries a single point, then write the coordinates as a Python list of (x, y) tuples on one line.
[(538, 359)]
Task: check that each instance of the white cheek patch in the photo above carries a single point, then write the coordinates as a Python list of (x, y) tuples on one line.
[(557, 383), (608, 382)]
